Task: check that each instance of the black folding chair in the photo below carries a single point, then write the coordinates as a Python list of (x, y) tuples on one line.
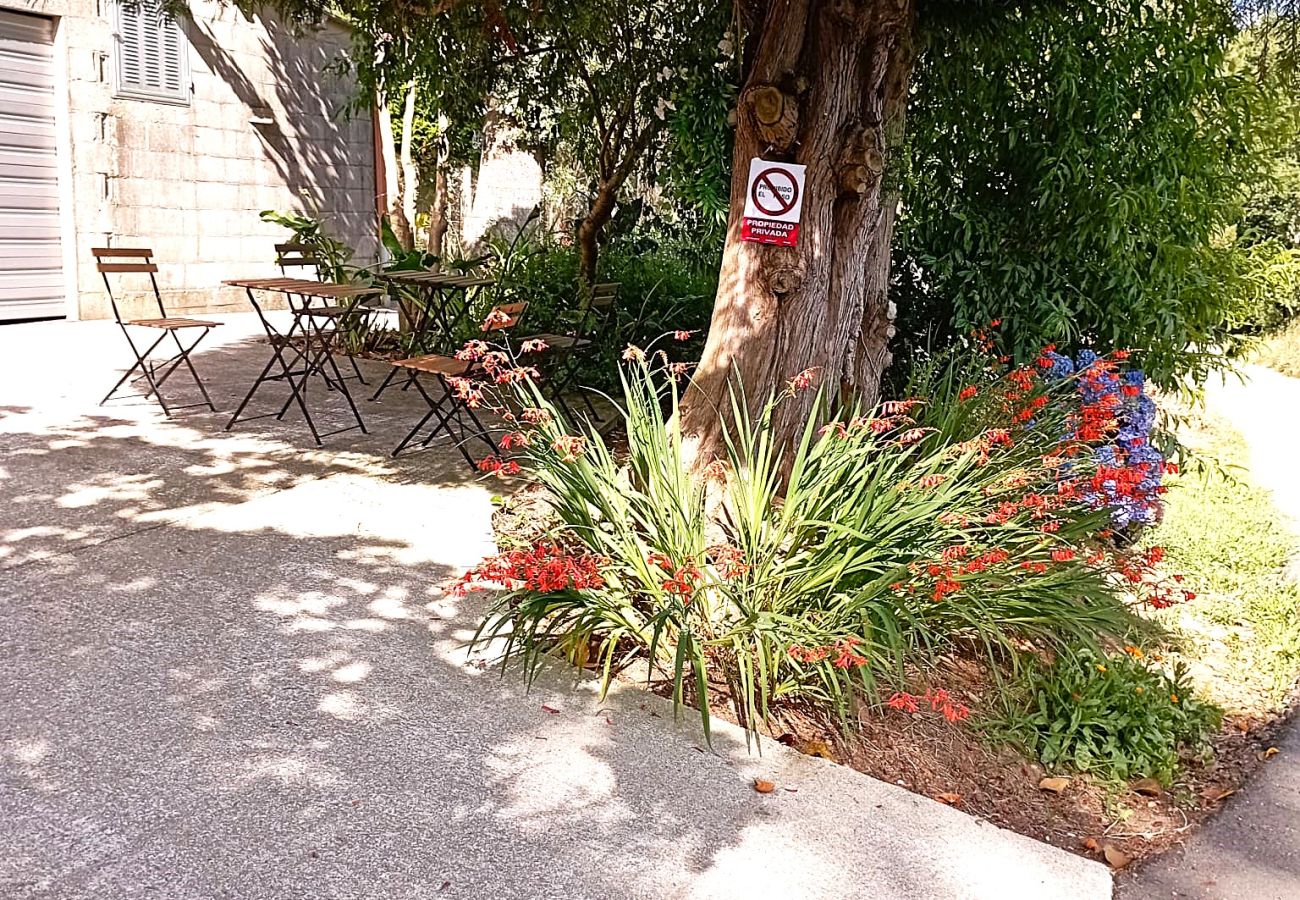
[(433, 307), (562, 360), (155, 372), (297, 256), (501, 319)]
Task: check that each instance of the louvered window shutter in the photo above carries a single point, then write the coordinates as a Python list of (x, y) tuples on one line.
[(152, 54)]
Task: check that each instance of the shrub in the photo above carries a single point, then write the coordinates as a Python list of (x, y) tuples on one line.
[(885, 538), (1117, 717), (660, 289)]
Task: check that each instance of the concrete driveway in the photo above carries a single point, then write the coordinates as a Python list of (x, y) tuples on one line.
[(227, 670)]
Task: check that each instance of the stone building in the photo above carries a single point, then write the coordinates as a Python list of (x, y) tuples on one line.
[(121, 128)]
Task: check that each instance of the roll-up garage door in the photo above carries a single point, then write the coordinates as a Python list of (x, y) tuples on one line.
[(31, 258)]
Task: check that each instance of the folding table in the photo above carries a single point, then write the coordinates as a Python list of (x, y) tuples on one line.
[(316, 309)]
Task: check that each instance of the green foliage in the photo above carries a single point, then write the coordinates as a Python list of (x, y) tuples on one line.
[(335, 255), (876, 550), (661, 289), (1072, 170), (1115, 717)]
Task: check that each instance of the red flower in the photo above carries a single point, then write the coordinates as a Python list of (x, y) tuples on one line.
[(570, 447), (899, 407), (805, 379), (516, 374), (496, 319), (472, 350), (845, 657), (967, 392), (533, 345), (729, 560), (513, 439), (682, 334), (1063, 554), (913, 435), (903, 701), (633, 354), (544, 568)]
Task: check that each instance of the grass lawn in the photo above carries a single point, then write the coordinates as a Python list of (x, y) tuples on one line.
[(1281, 350), (1240, 637)]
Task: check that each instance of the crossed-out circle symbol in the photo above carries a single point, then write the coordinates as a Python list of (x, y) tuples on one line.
[(782, 206)]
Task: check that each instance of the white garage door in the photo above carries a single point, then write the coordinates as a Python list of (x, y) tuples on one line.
[(31, 258)]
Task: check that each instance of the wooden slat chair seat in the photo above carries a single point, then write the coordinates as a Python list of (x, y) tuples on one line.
[(433, 364), (562, 341), (173, 323), (108, 261)]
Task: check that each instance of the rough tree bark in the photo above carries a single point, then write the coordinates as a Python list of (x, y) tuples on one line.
[(826, 87)]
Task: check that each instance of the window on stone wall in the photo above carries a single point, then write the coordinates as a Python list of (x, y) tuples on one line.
[(152, 54)]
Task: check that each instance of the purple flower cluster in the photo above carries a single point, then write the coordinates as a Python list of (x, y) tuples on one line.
[(1134, 501)]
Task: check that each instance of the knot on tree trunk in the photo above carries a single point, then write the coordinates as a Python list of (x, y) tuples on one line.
[(862, 160), (775, 114), (785, 279)]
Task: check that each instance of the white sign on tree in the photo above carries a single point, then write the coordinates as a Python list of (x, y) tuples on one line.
[(773, 203)]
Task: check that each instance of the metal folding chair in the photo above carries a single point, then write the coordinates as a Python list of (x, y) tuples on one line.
[(502, 318), (433, 306), (297, 256), (561, 362), (155, 372)]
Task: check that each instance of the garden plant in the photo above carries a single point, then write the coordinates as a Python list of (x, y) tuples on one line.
[(979, 515)]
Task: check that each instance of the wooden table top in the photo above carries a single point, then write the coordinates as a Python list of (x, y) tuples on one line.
[(438, 279), (305, 287)]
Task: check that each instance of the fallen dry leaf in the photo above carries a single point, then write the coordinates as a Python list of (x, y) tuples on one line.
[(1091, 845), (1056, 785), (820, 749), (949, 799), (1148, 787), (1266, 754), (1214, 794), (550, 709), (763, 786), (1116, 858)]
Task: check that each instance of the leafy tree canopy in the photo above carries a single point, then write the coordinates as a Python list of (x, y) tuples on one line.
[(1071, 173)]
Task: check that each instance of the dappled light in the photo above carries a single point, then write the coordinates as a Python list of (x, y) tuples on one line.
[(234, 648)]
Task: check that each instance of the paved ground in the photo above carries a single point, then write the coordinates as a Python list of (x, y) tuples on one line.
[(1252, 847), (227, 671)]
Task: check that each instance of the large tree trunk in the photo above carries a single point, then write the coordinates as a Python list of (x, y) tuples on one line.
[(827, 88)]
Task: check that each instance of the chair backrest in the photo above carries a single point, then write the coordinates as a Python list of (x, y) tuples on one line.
[(598, 311), (125, 260), (505, 316), (297, 256)]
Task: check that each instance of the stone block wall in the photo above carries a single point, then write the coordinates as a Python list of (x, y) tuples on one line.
[(268, 126)]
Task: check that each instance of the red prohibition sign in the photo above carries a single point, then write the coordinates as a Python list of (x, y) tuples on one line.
[(765, 178)]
